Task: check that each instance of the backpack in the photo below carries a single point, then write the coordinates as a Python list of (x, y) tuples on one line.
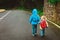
[(43, 24)]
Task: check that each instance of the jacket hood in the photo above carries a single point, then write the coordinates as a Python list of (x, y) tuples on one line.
[(34, 12)]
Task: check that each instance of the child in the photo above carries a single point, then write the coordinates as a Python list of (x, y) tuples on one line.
[(34, 20), (43, 25)]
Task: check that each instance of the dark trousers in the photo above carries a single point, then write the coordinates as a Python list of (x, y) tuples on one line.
[(34, 29), (42, 32)]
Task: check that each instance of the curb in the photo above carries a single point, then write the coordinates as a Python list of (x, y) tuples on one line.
[(54, 23)]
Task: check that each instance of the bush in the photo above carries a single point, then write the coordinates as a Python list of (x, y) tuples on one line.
[(40, 12), (52, 1)]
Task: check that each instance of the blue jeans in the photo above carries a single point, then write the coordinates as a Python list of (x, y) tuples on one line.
[(34, 29), (42, 32)]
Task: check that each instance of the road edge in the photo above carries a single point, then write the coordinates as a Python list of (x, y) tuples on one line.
[(54, 23), (5, 15)]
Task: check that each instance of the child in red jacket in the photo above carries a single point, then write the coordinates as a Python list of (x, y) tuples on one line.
[(43, 25)]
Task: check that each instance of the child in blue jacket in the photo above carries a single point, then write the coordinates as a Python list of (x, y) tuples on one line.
[(34, 20)]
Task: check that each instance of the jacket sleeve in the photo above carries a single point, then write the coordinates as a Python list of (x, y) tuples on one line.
[(30, 19), (38, 19)]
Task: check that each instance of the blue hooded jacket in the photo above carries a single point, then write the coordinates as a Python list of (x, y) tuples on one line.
[(34, 18)]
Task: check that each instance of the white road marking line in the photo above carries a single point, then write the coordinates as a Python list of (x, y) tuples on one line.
[(54, 23), (5, 15)]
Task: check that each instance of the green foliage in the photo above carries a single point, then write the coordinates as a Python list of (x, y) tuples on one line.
[(52, 1), (58, 0), (40, 12)]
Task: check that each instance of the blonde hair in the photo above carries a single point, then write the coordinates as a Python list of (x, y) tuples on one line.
[(43, 17)]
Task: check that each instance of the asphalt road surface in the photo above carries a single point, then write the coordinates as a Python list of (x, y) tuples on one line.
[(15, 26)]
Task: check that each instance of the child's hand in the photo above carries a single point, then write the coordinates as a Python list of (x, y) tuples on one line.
[(47, 26), (40, 28), (30, 22)]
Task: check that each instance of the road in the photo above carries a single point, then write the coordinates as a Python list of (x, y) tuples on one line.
[(15, 26)]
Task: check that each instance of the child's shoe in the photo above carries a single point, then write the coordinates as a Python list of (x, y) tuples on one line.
[(33, 34)]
